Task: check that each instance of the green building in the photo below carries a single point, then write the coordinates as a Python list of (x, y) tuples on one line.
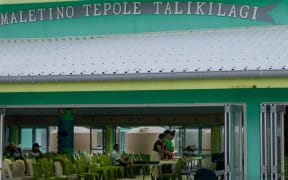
[(102, 64)]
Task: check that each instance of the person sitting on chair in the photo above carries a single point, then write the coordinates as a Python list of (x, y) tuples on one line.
[(36, 152), (119, 159)]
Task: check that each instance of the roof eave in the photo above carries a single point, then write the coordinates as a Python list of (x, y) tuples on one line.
[(148, 76)]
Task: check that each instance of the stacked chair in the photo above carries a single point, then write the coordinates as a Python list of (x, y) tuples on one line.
[(95, 166), (18, 169), (82, 170), (64, 168), (7, 172), (15, 170), (109, 170), (29, 166), (80, 166), (37, 171), (51, 168)]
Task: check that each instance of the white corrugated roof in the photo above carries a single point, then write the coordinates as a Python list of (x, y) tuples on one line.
[(147, 55)]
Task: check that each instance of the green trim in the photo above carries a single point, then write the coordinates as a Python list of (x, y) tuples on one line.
[(146, 97)]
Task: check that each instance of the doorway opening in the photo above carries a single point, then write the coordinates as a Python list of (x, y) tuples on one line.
[(187, 119), (274, 141)]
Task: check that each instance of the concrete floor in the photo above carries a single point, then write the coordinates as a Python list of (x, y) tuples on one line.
[(140, 177)]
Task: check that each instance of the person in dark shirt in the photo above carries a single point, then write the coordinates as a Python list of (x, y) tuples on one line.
[(157, 154), (158, 148), (36, 152), (15, 152)]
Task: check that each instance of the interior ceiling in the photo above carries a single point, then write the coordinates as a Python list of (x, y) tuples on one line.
[(121, 115), (88, 111)]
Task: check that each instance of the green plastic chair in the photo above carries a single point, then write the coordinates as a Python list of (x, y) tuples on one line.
[(109, 170), (48, 170), (95, 166), (69, 169), (81, 169), (95, 159), (94, 172), (37, 171), (59, 171)]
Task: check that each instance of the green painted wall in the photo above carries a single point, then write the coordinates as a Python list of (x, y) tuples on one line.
[(143, 97), (252, 98)]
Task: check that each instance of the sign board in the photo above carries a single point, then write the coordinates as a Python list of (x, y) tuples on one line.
[(96, 18)]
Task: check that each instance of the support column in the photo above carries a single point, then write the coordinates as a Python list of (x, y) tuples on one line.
[(109, 138), (215, 135), (1, 141), (14, 135), (66, 131), (253, 140)]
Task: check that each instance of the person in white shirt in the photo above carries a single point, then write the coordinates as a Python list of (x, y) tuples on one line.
[(119, 159)]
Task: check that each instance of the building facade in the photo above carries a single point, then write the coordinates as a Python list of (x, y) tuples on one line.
[(219, 62)]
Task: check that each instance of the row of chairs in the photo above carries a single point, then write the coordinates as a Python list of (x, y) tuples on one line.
[(61, 167), (30, 169), (16, 170)]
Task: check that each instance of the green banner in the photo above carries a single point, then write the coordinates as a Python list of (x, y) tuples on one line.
[(96, 18)]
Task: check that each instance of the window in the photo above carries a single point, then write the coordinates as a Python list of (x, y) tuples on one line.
[(32, 135), (97, 140)]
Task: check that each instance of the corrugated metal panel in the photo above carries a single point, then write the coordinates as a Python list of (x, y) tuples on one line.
[(167, 53)]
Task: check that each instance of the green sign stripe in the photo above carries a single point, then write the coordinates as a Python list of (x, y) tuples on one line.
[(90, 18), (146, 97)]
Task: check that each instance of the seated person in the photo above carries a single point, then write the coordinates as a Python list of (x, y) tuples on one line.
[(15, 152), (36, 152), (119, 159)]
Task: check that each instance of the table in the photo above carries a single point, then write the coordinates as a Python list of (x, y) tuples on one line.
[(191, 165), (156, 168), (165, 162), (142, 166)]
